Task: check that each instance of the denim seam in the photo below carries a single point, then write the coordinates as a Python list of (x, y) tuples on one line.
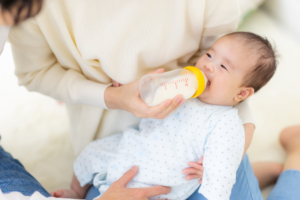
[(251, 192)]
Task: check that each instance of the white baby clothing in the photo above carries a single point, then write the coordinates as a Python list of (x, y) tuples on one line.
[(162, 148)]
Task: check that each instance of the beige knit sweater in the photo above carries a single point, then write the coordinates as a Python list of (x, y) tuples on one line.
[(74, 49)]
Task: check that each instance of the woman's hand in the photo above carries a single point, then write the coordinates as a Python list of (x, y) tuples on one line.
[(195, 170), (118, 189), (126, 97)]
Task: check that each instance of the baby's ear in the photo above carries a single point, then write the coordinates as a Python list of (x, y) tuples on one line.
[(244, 93)]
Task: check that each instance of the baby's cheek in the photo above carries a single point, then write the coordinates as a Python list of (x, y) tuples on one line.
[(218, 91)]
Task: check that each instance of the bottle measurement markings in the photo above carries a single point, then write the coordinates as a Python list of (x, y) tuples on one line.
[(175, 83)]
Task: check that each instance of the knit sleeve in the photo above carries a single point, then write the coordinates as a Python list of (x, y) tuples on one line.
[(245, 112), (38, 69), (221, 17)]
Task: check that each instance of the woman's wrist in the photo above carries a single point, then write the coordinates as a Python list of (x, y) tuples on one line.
[(111, 97)]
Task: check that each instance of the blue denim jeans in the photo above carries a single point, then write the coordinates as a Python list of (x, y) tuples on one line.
[(287, 186), (246, 186), (15, 178)]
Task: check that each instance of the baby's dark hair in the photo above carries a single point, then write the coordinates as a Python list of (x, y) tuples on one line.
[(266, 63), (21, 6)]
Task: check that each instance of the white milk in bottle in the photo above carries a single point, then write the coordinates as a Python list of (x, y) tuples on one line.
[(156, 88)]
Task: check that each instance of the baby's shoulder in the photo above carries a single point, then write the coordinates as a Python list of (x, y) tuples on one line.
[(226, 117), (230, 115)]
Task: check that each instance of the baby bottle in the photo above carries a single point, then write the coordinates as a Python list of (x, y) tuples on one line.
[(156, 88)]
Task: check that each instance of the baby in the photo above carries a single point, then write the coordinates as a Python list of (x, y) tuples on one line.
[(237, 65)]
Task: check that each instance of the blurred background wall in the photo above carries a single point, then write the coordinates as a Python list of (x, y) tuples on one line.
[(286, 13)]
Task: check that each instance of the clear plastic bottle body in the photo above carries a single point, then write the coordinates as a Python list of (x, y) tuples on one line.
[(156, 88)]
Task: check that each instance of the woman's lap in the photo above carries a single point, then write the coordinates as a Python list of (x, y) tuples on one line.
[(246, 186), (92, 193), (287, 186), (14, 177)]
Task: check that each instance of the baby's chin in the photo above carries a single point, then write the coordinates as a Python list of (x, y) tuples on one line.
[(209, 99), (206, 99)]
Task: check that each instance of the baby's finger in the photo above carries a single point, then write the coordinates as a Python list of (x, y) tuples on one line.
[(192, 176), (192, 171), (200, 161), (57, 194), (116, 84), (196, 165)]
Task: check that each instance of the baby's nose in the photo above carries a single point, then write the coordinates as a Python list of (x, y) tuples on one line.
[(210, 67)]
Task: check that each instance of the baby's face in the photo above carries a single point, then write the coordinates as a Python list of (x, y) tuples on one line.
[(225, 65)]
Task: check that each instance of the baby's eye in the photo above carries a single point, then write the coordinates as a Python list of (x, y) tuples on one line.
[(223, 67), (208, 55)]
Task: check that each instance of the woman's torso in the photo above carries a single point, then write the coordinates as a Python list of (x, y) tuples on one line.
[(122, 40)]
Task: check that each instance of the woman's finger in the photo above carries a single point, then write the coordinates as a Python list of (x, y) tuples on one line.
[(180, 103), (153, 111), (126, 178), (175, 103), (154, 191), (140, 109), (158, 71)]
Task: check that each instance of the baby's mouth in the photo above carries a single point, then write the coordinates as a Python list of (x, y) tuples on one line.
[(208, 83)]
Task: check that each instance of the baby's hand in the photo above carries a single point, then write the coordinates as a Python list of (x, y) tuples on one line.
[(195, 170)]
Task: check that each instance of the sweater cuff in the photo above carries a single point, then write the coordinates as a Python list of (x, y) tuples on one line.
[(91, 93), (245, 112)]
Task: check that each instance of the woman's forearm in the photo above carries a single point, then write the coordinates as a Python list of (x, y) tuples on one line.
[(249, 130)]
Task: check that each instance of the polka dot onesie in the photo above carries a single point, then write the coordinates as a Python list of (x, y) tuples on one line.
[(162, 148)]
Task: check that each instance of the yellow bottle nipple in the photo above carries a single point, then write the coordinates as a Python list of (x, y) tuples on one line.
[(202, 80)]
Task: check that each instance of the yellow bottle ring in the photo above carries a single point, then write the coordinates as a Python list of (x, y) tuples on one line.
[(201, 80)]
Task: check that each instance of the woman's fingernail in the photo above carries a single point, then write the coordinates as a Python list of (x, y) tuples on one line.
[(158, 70), (179, 99), (181, 102), (168, 102), (134, 168)]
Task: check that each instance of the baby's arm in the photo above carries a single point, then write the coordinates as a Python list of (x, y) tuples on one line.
[(222, 156)]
